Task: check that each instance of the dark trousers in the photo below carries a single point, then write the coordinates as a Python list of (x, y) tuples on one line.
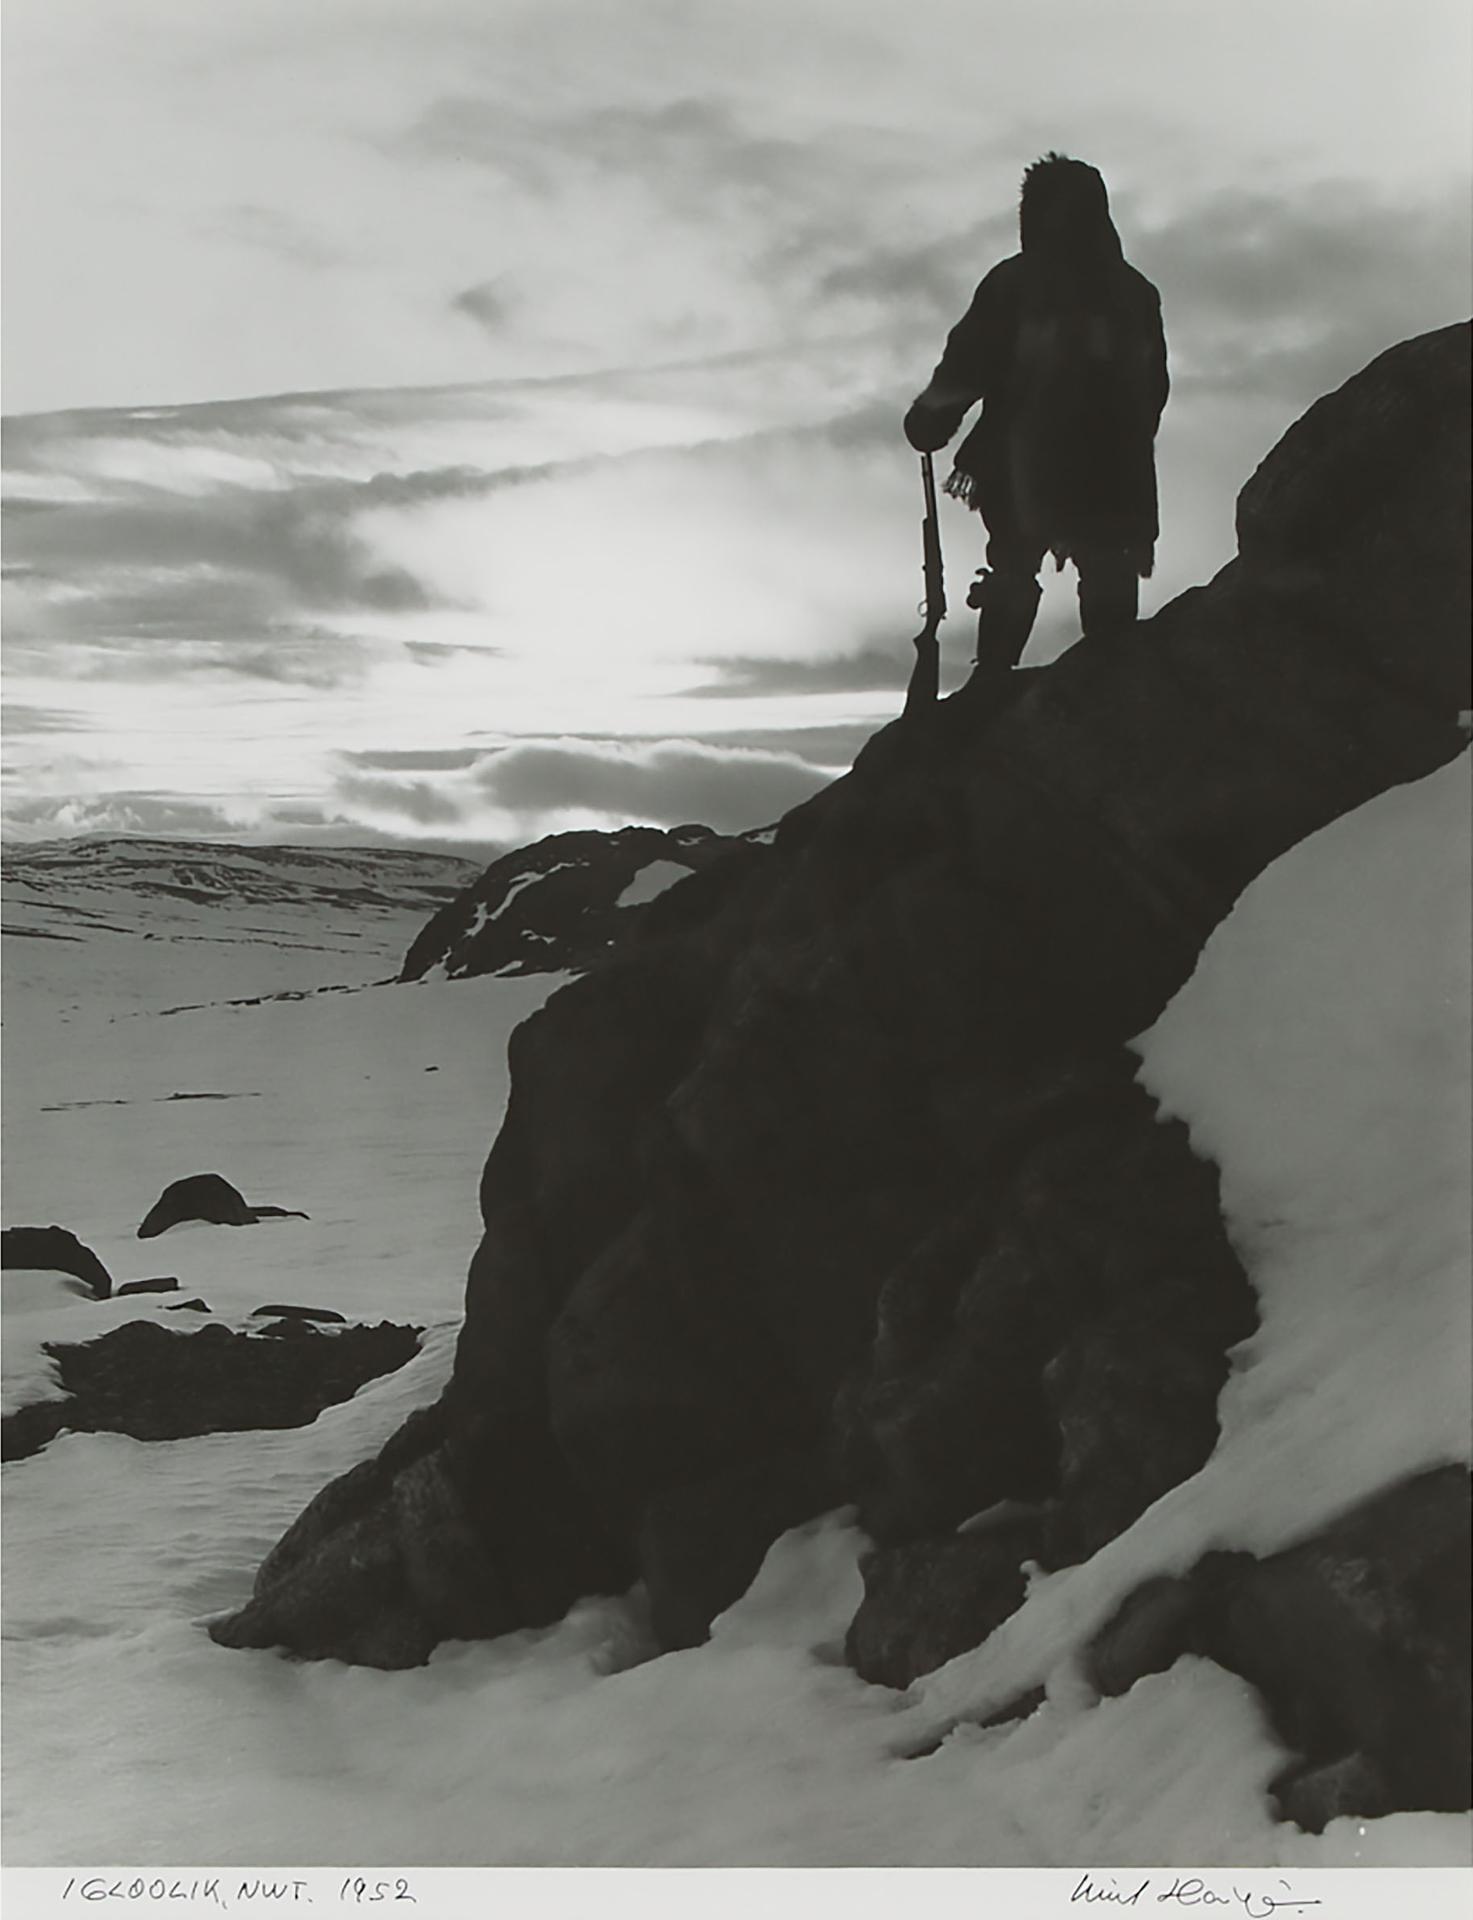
[(1008, 593)]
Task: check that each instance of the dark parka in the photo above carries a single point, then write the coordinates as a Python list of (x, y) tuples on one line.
[(1064, 346)]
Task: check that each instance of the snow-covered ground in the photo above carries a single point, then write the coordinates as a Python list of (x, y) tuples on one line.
[(1320, 1052), (152, 1036)]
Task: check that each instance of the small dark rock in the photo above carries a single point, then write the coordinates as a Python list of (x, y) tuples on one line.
[(167, 1285), (209, 1197), (55, 1250), (201, 1196), (1149, 1632), (298, 1313), (186, 1306), (1351, 1786), (930, 1600)]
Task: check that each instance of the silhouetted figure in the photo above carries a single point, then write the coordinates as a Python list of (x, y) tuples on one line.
[(1064, 347)]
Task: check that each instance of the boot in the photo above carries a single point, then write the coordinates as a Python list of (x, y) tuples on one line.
[(1006, 604)]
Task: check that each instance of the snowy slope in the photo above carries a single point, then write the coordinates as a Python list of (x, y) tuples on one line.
[(1321, 1051), (203, 1009)]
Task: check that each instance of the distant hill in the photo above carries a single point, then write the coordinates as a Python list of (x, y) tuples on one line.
[(220, 921), (55, 883)]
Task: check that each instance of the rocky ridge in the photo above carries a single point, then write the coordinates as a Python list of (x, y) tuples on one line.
[(57, 881), (834, 1183), (562, 904)]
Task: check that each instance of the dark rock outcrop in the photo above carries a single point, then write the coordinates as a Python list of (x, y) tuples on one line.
[(1357, 1639), (55, 1250), (209, 1197), (1061, 1334), (562, 904), (166, 1283), (840, 1160), (396, 1527), (154, 1384)]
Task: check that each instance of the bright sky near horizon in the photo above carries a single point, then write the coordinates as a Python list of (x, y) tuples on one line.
[(577, 494)]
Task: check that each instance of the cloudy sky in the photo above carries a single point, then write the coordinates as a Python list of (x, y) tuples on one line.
[(455, 420)]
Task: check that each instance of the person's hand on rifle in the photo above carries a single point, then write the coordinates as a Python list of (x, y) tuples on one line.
[(926, 430)]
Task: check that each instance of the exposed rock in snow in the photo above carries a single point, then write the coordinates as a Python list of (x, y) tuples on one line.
[(932, 1599), (209, 1197), (563, 904), (1357, 1639), (298, 1313), (145, 1380), (55, 1250)]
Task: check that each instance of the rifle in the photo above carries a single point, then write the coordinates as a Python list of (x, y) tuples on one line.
[(925, 675)]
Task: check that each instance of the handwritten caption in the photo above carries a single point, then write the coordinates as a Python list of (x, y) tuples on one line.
[(1191, 1891), (225, 1891), (1246, 1896)]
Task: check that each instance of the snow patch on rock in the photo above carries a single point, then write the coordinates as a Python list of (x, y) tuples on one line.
[(651, 881)]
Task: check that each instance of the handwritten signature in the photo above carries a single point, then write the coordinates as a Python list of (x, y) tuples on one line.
[(1192, 1891)]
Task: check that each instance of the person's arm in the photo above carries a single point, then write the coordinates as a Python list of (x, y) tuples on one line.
[(962, 374)]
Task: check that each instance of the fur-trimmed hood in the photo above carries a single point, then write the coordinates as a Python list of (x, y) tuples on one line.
[(1064, 211)]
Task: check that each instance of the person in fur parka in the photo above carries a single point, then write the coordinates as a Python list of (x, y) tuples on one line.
[(1063, 345)]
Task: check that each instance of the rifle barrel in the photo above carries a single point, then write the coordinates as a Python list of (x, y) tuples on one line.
[(923, 689)]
